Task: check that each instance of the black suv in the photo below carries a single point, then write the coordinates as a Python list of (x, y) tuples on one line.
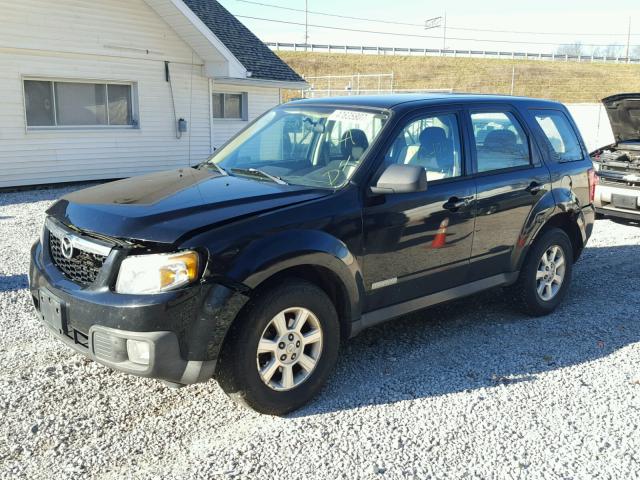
[(320, 219)]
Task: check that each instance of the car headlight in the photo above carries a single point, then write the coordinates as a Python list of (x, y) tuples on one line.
[(157, 273)]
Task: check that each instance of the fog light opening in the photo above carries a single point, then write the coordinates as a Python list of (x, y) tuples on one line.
[(138, 352)]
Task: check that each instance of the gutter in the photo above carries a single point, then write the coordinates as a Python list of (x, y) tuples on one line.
[(261, 82)]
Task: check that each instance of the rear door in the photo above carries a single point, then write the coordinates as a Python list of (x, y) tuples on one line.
[(510, 179)]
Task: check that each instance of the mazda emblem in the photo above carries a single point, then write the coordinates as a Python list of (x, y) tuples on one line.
[(67, 248)]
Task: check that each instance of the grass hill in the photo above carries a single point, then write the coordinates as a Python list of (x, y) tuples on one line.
[(569, 82)]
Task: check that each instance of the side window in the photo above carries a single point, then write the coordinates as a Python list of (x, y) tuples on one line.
[(431, 142), (500, 141), (561, 135)]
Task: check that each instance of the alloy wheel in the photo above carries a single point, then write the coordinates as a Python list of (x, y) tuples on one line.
[(289, 348), (550, 273)]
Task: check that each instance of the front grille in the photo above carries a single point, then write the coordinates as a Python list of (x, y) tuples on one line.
[(82, 268)]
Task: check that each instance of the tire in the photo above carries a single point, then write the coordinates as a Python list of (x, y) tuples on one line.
[(238, 371), (526, 290)]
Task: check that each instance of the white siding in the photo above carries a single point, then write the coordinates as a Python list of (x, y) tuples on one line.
[(117, 40), (107, 40), (259, 100), (108, 27)]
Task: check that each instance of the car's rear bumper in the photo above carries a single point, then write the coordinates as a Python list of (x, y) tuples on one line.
[(183, 330)]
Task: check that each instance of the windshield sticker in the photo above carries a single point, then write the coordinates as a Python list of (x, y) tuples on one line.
[(350, 116)]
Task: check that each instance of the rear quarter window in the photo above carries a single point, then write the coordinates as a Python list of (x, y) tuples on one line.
[(562, 138)]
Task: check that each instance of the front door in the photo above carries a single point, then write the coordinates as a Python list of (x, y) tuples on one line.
[(511, 178), (420, 243)]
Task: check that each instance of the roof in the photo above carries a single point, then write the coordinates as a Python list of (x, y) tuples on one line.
[(252, 53), (393, 100)]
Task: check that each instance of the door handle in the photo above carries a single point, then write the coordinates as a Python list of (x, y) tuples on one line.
[(455, 203), (533, 188)]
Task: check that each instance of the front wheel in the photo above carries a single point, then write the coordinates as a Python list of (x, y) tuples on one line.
[(546, 273), (282, 349)]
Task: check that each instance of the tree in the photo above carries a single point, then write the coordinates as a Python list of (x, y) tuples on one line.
[(615, 50), (610, 51), (573, 49)]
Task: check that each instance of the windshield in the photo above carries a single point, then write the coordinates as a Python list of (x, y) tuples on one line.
[(313, 146)]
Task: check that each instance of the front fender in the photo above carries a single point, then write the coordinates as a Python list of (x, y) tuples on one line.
[(295, 248)]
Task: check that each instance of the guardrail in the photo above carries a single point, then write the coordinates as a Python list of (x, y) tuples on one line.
[(436, 52), (334, 92)]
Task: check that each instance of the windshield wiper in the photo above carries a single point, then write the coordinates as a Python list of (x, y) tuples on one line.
[(259, 173), (208, 164)]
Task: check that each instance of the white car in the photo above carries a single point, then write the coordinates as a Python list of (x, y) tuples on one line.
[(617, 165)]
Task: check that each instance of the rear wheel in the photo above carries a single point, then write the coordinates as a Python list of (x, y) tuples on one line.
[(546, 273), (281, 351)]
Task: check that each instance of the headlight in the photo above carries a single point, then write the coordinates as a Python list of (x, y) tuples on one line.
[(157, 273)]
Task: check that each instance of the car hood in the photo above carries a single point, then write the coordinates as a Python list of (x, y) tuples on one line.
[(624, 114), (162, 207)]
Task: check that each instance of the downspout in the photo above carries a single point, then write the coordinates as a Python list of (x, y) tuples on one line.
[(210, 83), (167, 76)]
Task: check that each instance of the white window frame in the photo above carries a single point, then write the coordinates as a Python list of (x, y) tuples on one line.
[(135, 116), (244, 106)]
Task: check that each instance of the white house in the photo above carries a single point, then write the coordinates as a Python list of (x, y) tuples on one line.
[(110, 89)]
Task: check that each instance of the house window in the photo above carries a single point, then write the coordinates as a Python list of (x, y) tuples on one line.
[(78, 104), (229, 105)]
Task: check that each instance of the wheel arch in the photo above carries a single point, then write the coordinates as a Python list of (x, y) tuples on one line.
[(558, 208), (564, 220), (314, 256), (327, 280), (567, 222)]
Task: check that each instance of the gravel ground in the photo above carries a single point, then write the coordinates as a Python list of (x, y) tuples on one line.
[(468, 390)]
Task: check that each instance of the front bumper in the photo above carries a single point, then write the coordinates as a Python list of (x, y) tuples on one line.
[(604, 204), (108, 346), (183, 330)]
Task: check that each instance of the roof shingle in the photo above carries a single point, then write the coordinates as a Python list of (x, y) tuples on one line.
[(256, 57)]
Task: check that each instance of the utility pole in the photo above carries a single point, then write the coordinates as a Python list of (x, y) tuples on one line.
[(628, 39), (306, 24), (444, 33)]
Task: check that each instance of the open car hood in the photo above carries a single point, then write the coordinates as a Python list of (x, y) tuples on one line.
[(624, 114)]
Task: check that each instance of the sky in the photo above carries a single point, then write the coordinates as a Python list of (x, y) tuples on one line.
[(539, 26)]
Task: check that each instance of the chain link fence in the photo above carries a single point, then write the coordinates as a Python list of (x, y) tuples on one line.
[(357, 84)]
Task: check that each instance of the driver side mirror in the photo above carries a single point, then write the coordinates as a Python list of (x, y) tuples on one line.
[(401, 179)]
